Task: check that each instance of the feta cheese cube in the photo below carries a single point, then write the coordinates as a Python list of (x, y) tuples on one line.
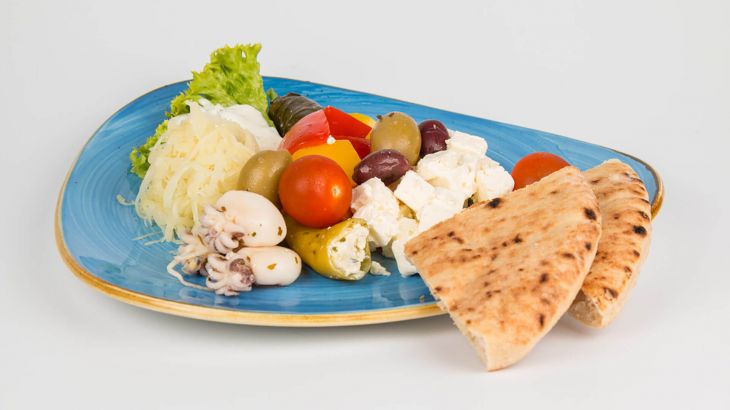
[(444, 205), (405, 267), (451, 199), (407, 228), (414, 191), (492, 180), (436, 165), (376, 204), (467, 144), (370, 191), (451, 170), (433, 214)]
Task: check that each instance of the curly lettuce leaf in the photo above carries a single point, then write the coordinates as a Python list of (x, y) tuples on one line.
[(271, 94), (231, 77), (139, 155)]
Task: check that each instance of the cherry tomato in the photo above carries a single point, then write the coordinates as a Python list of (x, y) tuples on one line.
[(535, 166), (315, 191)]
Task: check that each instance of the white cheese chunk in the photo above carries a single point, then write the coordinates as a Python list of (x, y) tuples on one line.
[(451, 199), (433, 214), (492, 180), (435, 166), (451, 170), (405, 267), (467, 144), (444, 205), (407, 228), (414, 191), (376, 204), (378, 269), (349, 252)]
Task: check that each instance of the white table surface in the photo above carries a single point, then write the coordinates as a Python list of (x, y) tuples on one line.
[(651, 78)]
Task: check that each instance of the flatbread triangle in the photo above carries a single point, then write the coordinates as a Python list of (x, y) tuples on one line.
[(624, 245), (506, 270)]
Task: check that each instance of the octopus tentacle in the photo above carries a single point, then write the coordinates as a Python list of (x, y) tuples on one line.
[(208, 250), (229, 275)]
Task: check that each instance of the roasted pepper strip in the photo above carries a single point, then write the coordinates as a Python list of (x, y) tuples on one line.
[(316, 247)]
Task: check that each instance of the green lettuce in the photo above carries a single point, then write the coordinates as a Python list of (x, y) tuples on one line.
[(231, 77), (271, 94), (138, 156)]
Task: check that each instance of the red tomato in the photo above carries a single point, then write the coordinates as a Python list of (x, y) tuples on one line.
[(315, 191), (343, 124), (534, 167), (310, 130), (361, 145)]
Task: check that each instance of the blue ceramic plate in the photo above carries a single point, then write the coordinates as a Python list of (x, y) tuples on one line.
[(96, 234)]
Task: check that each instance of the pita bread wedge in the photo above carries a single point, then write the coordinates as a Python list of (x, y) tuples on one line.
[(506, 270), (624, 204)]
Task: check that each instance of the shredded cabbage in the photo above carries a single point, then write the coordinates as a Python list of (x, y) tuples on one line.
[(195, 161)]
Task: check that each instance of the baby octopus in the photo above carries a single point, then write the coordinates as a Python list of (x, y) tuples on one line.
[(220, 233), (192, 255), (234, 246), (228, 275)]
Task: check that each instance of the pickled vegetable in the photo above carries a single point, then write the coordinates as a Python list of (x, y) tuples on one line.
[(338, 252), (286, 110), (387, 164), (262, 172), (433, 137)]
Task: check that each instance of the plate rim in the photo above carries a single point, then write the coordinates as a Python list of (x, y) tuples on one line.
[(247, 317)]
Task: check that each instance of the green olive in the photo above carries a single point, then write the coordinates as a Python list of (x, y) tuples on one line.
[(262, 172), (397, 131)]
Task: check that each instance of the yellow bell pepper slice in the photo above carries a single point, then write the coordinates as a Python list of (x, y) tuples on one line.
[(340, 151)]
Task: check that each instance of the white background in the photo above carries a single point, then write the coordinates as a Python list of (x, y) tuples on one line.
[(651, 78)]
